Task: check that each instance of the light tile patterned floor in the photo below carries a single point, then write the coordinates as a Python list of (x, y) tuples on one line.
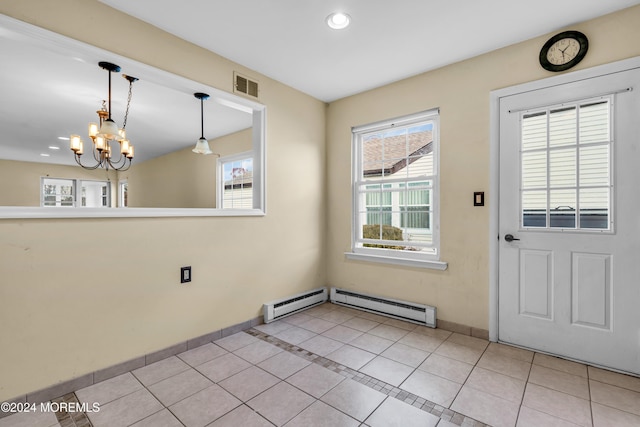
[(333, 366)]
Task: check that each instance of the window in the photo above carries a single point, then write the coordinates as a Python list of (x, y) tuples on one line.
[(565, 158), (58, 192), (395, 189), (123, 194), (235, 181)]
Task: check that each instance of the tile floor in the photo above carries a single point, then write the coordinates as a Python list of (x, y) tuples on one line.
[(333, 366)]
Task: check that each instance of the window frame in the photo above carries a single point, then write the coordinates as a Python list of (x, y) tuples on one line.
[(221, 161), (392, 256)]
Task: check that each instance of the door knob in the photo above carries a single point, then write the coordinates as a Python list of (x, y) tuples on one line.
[(509, 238)]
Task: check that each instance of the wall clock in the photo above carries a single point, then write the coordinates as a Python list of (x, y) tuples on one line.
[(563, 51)]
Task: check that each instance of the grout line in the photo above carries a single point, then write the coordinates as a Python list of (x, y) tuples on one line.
[(369, 381)]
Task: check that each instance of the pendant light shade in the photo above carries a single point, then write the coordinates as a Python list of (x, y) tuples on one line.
[(202, 145), (109, 130)]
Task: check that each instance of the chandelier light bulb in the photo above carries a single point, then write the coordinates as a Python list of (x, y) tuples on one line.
[(75, 143), (93, 129)]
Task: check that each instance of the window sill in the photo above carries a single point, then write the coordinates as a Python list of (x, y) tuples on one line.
[(433, 265)]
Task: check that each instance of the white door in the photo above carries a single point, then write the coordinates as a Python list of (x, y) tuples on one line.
[(570, 192)]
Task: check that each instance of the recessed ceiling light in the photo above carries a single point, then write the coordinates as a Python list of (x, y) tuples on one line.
[(338, 20), (45, 155), (64, 138), (53, 147)]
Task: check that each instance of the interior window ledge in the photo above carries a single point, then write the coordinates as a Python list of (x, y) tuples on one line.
[(21, 212), (430, 264)]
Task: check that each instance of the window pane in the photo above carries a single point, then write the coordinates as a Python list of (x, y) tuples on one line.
[(415, 217), (594, 123), (66, 201), (420, 166), (594, 208), (562, 168), (396, 148), (534, 131), (562, 210), (534, 208), (378, 216), (417, 193), (594, 165), (534, 169), (50, 200), (397, 153), (562, 127)]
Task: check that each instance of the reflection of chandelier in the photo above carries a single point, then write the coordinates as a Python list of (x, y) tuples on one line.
[(106, 132)]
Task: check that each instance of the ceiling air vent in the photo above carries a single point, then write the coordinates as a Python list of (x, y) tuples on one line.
[(245, 85)]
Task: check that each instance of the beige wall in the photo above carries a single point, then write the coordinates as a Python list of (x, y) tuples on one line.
[(182, 179), (20, 181), (461, 293), (78, 295)]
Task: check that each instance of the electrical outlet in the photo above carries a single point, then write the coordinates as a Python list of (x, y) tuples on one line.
[(185, 274)]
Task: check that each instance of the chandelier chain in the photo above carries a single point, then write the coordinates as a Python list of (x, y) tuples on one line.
[(126, 113)]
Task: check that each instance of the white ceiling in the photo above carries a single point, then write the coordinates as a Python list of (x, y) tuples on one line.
[(289, 41), (50, 88)]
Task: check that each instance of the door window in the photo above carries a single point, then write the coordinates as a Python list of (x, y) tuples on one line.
[(565, 165)]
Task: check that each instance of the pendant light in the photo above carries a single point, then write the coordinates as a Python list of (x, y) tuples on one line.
[(202, 145)]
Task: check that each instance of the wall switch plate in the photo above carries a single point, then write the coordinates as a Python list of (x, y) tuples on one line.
[(478, 198), (185, 274)]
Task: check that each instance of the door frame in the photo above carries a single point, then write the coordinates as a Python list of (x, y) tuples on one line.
[(494, 164)]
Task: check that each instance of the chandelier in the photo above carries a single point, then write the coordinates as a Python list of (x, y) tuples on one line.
[(106, 132)]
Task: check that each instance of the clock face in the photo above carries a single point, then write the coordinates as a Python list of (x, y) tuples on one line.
[(563, 51)]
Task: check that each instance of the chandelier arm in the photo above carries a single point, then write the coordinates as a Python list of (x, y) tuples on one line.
[(128, 165), (119, 159), (83, 166), (97, 156), (119, 167), (116, 164)]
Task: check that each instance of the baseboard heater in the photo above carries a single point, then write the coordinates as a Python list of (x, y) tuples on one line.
[(403, 310), (285, 307)]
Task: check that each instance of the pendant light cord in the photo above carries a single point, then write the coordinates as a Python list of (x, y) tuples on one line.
[(202, 118), (109, 94)]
